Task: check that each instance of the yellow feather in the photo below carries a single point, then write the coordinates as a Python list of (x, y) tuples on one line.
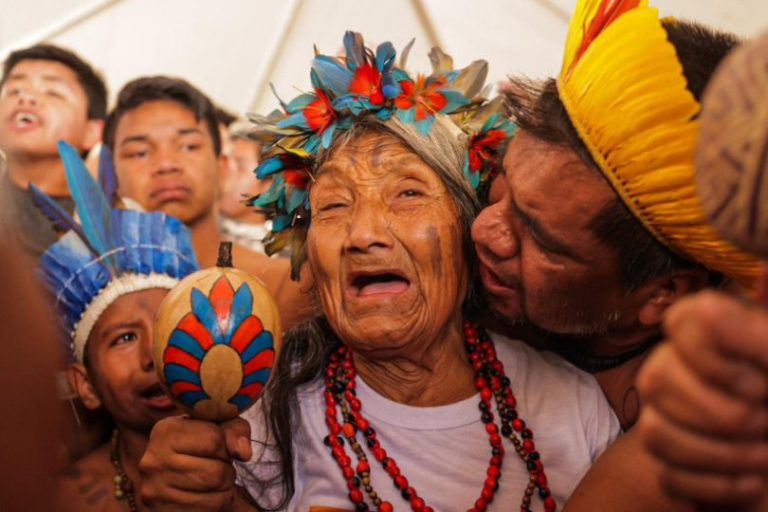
[(628, 99)]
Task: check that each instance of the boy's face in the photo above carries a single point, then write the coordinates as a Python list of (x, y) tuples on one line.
[(120, 374), (42, 102), (165, 161)]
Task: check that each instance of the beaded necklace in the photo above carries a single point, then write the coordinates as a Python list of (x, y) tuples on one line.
[(123, 485), (493, 386)]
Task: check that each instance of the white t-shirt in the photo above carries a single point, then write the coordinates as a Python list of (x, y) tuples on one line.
[(444, 451)]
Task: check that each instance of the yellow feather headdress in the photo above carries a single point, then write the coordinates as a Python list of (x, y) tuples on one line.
[(625, 93)]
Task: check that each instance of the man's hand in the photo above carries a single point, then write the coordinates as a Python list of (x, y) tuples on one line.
[(188, 464), (704, 394)]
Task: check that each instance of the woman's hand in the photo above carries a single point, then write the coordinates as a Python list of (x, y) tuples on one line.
[(704, 394), (188, 465)]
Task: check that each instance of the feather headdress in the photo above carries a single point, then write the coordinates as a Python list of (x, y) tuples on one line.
[(347, 90), (110, 253), (625, 93)]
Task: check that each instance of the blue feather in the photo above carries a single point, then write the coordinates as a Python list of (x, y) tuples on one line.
[(242, 306), (385, 56), (262, 342), (59, 217), (92, 206), (107, 176), (268, 167), (333, 75), (203, 310), (355, 49)]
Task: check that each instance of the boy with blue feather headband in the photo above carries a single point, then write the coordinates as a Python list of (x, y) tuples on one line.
[(108, 275)]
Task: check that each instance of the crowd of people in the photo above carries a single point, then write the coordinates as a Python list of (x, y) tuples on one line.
[(526, 301)]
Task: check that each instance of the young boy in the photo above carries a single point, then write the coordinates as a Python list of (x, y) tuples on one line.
[(108, 278), (47, 94), (167, 151)]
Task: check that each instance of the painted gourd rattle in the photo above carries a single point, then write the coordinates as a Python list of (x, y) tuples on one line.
[(732, 154), (216, 334)]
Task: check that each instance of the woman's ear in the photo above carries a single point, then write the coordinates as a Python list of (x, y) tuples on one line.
[(81, 384), (666, 290)]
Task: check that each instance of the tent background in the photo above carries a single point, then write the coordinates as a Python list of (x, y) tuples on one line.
[(233, 49)]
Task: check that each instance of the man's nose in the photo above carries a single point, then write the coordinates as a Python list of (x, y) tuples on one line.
[(166, 162), (493, 231)]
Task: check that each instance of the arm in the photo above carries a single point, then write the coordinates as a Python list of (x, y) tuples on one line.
[(623, 479), (705, 392)]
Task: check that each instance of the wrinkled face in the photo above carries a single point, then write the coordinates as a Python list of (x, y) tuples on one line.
[(120, 365), (42, 102), (539, 258), (165, 160), (385, 247)]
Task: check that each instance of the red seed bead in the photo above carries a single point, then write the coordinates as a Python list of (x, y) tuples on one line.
[(363, 466), (495, 440), (510, 400), (379, 453), (487, 494), (494, 472), (486, 394), (541, 479), (481, 505), (481, 383), (356, 496), (496, 460), (385, 507), (491, 428), (549, 504), (348, 472), (401, 482), (528, 445), (517, 424), (417, 504), (335, 429), (348, 429)]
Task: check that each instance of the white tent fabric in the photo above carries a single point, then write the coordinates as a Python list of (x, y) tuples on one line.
[(233, 49)]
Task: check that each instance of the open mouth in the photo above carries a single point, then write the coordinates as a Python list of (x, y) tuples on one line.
[(155, 396), (25, 119), (365, 284)]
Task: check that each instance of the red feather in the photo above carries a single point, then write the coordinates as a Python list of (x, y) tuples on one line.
[(221, 296), (177, 356), (245, 333), (177, 388), (265, 359), (251, 390), (608, 12), (192, 326)]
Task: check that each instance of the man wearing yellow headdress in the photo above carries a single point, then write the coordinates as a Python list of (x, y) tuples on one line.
[(598, 229)]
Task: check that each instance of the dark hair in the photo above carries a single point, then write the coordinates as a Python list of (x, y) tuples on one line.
[(93, 85), (162, 88), (224, 116), (538, 110)]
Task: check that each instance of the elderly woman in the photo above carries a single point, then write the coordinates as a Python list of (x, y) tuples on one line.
[(393, 399)]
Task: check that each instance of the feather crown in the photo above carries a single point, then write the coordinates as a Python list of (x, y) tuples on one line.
[(623, 87), (109, 253), (369, 83)]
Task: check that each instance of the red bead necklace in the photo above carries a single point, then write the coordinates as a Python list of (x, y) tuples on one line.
[(493, 386)]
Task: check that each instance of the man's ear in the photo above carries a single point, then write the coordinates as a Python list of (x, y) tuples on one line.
[(81, 384), (92, 134), (666, 290)]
